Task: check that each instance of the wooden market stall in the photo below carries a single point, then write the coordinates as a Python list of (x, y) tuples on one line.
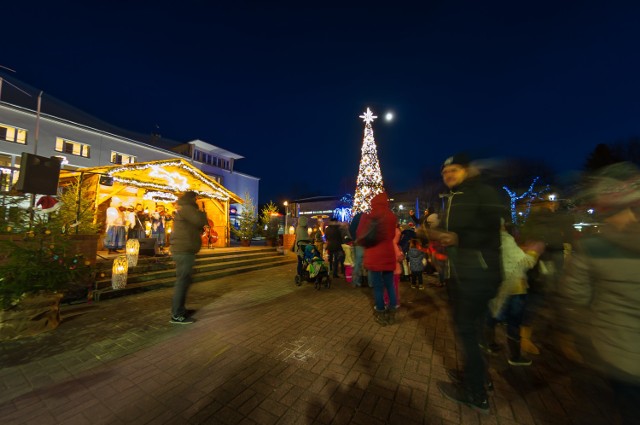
[(156, 186)]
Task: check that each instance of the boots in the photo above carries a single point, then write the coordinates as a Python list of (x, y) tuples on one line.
[(379, 317), (515, 357), (525, 341), (390, 315)]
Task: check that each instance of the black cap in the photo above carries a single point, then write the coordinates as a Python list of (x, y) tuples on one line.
[(459, 159)]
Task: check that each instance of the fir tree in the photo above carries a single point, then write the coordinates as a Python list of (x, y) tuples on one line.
[(369, 182)]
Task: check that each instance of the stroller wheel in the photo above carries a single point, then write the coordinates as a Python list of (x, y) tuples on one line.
[(298, 280), (317, 284), (327, 282)]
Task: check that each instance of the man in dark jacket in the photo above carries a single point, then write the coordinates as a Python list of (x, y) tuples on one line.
[(334, 235), (185, 244), (472, 241)]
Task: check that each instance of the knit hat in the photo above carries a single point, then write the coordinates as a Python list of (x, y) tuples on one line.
[(459, 159)]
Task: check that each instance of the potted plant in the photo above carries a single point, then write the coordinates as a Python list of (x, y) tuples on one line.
[(246, 222), (269, 222), (37, 268)]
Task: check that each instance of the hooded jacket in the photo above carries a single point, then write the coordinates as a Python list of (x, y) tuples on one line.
[(187, 226), (382, 256)]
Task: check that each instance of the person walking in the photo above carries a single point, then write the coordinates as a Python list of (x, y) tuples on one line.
[(185, 244), (472, 239), (380, 259), (602, 282)]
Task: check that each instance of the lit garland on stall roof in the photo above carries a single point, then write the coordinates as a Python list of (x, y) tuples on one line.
[(369, 182), (160, 196), (215, 193)]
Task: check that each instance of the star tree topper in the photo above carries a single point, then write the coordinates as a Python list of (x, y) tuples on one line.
[(368, 116)]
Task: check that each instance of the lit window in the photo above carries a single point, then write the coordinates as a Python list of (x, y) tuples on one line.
[(122, 158), (13, 134), (72, 148)]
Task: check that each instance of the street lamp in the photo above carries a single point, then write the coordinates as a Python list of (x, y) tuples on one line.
[(286, 216)]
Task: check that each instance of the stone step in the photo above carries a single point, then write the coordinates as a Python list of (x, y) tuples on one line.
[(202, 265), (159, 263), (159, 271), (198, 276)]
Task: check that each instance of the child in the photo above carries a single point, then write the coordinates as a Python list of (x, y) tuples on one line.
[(416, 258), (347, 247)]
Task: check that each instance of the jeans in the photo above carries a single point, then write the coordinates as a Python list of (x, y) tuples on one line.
[(336, 258), (357, 264), (512, 312), (416, 277), (184, 267), (381, 281)]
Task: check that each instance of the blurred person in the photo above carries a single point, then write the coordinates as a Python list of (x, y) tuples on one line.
[(318, 239), (186, 243), (471, 237), (158, 225), (508, 305), (358, 251), (416, 265), (436, 253), (380, 259), (602, 279), (554, 228), (419, 221)]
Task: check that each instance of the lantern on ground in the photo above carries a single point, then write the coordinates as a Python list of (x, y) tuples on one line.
[(133, 248), (119, 272)]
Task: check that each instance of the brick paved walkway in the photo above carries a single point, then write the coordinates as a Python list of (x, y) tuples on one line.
[(267, 352)]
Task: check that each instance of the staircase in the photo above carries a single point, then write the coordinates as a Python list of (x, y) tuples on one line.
[(157, 272)]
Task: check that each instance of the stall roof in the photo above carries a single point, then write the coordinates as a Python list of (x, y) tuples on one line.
[(172, 175)]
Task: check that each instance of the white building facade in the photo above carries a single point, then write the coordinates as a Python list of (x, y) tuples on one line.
[(79, 146)]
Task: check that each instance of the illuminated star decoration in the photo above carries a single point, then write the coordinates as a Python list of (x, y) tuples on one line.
[(368, 116)]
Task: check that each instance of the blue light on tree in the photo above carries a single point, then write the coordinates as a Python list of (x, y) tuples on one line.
[(529, 195)]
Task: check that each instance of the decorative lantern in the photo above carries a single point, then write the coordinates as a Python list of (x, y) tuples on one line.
[(133, 247), (292, 230), (119, 272)]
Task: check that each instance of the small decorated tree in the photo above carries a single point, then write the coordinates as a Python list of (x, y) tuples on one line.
[(269, 222), (247, 222)]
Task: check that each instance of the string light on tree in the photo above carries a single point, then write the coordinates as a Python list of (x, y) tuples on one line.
[(530, 195), (369, 182)]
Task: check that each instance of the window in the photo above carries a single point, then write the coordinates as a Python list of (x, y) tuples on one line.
[(72, 148), (122, 158), (13, 134)]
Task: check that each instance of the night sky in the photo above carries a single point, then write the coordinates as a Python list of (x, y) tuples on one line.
[(284, 86)]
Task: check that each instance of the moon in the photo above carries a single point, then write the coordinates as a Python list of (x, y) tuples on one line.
[(388, 116)]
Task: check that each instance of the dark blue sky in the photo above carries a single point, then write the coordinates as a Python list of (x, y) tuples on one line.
[(283, 86)]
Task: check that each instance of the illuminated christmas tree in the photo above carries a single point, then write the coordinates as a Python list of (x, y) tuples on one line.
[(369, 182)]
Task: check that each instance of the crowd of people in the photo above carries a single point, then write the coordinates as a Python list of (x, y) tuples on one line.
[(497, 273)]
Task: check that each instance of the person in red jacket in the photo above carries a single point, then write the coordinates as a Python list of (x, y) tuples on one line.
[(380, 259)]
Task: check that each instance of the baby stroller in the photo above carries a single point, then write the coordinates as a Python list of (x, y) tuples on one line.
[(314, 268)]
